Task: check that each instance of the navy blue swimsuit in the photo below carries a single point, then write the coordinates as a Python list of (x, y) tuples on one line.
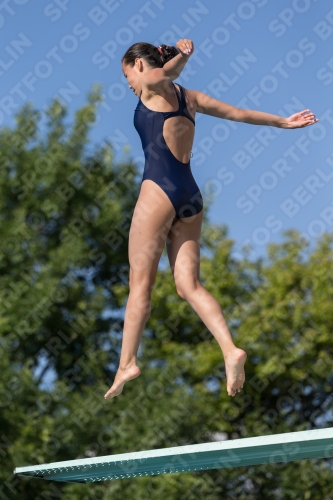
[(161, 166)]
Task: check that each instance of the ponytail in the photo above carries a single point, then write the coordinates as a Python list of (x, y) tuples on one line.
[(156, 57)]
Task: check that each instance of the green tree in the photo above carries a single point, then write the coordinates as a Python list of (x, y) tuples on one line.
[(65, 217)]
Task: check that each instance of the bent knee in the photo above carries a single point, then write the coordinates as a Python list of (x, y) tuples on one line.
[(186, 290)]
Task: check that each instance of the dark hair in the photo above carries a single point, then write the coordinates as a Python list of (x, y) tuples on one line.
[(156, 57)]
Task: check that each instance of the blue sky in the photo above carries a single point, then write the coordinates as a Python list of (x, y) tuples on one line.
[(259, 54)]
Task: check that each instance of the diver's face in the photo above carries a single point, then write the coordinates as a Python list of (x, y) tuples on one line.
[(134, 75)]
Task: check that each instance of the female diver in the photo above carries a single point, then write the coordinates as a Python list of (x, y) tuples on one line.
[(169, 208)]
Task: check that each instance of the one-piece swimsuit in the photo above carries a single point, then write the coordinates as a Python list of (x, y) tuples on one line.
[(161, 166)]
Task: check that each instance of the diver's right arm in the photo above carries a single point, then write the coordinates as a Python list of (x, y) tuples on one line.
[(158, 77)]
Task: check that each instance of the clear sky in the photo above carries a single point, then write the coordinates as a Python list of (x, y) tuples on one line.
[(273, 56)]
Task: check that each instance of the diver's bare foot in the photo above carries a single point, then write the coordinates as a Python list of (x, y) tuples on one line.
[(234, 365), (122, 376)]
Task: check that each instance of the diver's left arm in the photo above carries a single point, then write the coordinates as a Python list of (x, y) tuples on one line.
[(220, 109)]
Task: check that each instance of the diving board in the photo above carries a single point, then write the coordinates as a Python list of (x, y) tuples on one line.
[(276, 448)]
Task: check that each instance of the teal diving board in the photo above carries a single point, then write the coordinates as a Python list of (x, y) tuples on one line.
[(273, 449)]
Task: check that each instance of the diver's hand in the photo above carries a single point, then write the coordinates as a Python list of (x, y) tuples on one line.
[(185, 46), (301, 119)]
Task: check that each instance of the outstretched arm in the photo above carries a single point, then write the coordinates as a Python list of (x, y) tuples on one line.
[(214, 107), (159, 77)]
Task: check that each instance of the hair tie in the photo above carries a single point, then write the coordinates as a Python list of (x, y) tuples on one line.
[(160, 49)]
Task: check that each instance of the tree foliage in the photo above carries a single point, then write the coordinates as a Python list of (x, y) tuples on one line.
[(65, 217)]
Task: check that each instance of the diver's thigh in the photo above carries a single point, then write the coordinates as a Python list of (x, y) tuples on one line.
[(183, 247), (152, 218)]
